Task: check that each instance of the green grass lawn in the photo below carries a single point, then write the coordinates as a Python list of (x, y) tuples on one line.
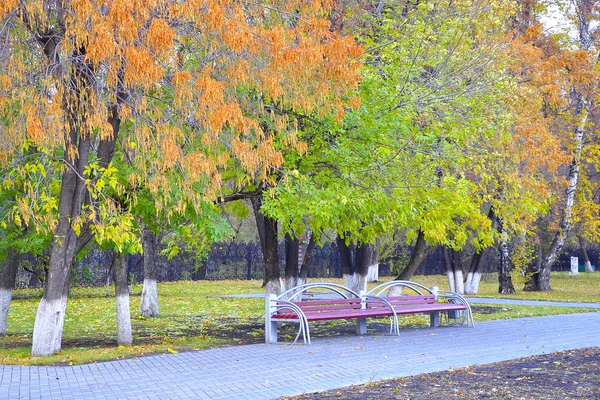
[(584, 288), (195, 315)]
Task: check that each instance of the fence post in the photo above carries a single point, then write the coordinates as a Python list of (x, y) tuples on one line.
[(249, 261)]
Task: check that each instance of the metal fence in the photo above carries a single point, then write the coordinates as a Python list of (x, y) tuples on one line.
[(237, 260)]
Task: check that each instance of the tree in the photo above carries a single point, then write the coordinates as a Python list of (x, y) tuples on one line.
[(149, 301), (8, 274), (560, 73), (431, 90), (519, 174), (98, 66), (421, 249), (21, 230), (474, 271), (124, 331), (21, 170)]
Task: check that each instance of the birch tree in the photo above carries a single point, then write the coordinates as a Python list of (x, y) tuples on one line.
[(564, 76)]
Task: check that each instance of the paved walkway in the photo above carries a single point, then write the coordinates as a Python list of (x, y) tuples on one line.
[(272, 371)]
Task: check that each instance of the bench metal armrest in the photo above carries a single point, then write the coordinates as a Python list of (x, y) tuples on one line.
[(452, 296), (388, 305), (456, 298), (280, 305), (296, 293), (414, 286), (283, 305)]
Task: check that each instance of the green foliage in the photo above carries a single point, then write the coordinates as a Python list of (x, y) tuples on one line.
[(196, 237), (431, 97), (28, 202)]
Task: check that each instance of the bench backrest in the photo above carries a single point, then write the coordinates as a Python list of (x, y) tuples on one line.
[(333, 305), (399, 301), (329, 305)]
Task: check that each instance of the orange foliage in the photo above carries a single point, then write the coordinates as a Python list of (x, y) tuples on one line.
[(545, 74), (193, 80), (141, 69), (160, 37), (557, 87)]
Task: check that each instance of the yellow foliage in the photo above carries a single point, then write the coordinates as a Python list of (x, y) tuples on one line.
[(122, 17), (215, 16), (5, 82)]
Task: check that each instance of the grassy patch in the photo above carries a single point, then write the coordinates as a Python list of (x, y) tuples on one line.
[(584, 288), (192, 317), (195, 315)]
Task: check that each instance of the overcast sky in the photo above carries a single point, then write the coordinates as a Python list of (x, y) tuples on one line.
[(556, 22)]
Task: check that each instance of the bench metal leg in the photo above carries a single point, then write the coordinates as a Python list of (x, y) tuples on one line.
[(271, 332), (434, 319), (361, 326), (455, 315)]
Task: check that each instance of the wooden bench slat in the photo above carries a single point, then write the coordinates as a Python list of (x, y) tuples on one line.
[(366, 313), (326, 302), (323, 316), (330, 308), (407, 296), (374, 308), (428, 308), (402, 303), (424, 298)]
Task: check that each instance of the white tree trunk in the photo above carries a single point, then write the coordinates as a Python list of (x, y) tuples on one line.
[(274, 286), (124, 331), (459, 285), (355, 282), (48, 328), (149, 303), (373, 273), (395, 291), (473, 281), (5, 298), (8, 276), (588, 266), (450, 276), (469, 283), (287, 284)]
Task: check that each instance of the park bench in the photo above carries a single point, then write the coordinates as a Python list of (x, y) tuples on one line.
[(322, 302), (326, 301), (443, 307)]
